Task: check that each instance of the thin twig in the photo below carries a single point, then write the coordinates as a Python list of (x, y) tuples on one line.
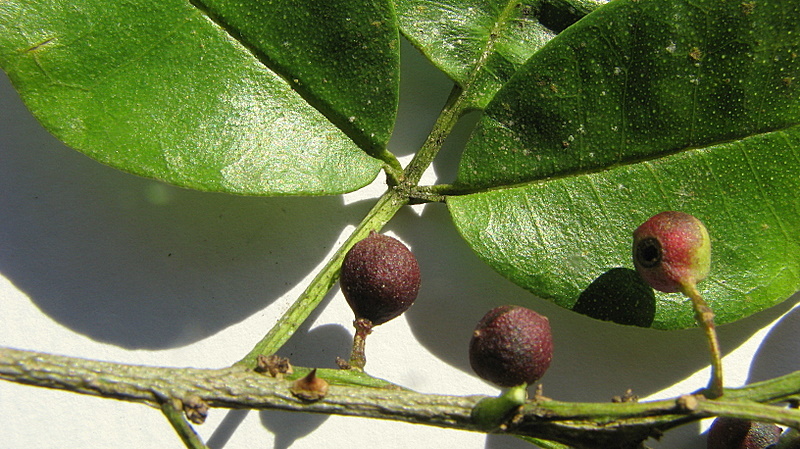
[(581, 425), (174, 414)]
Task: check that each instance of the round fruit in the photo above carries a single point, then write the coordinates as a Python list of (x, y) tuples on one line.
[(379, 278), (672, 251), (734, 433), (511, 346)]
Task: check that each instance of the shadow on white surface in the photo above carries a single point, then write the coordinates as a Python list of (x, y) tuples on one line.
[(777, 354), (138, 263), (226, 428), (506, 442), (289, 426)]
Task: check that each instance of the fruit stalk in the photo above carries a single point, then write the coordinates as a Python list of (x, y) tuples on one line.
[(705, 318), (358, 357), (672, 253)]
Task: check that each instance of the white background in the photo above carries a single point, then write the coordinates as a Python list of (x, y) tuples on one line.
[(101, 264)]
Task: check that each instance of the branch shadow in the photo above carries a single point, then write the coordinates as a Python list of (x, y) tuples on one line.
[(777, 354), (141, 264), (318, 348), (226, 428)]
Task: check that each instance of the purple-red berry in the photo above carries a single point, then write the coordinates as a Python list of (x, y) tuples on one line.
[(511, 346), (734, 433), (379, 278), (672, 251)]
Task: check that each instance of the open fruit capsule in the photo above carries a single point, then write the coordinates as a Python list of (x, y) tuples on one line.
[(672, 251)]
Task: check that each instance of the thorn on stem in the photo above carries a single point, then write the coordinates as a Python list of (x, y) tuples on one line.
[(310, 388)]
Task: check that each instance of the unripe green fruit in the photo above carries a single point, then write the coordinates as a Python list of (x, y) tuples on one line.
[(511, 346), (379, 278), (672, 251), (734, 433)]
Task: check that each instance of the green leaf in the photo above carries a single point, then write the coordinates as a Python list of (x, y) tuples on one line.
[(643, 107), (342, 55), (481, 43), (170, 91)]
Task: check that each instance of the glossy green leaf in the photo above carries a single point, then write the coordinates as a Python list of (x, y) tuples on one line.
[(481, 43), (173, 90), (643, 107), (342, 55)]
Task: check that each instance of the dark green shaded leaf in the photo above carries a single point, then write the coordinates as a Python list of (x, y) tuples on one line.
[(481, 43), (161, 90), (342, 55), (639, 108)]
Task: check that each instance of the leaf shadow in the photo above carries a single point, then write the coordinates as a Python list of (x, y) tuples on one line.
[(141, 264), (290, 426), (619, 295)]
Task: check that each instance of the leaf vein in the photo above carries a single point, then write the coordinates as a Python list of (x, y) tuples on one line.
[(760, 185)]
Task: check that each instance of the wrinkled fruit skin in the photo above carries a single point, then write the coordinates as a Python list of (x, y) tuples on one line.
[(379, 278), (671, 251), (510, 346), (733, 433)]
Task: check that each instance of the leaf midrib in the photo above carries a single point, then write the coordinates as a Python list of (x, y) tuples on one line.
[(322, 105), (488, 50), (460, 191)]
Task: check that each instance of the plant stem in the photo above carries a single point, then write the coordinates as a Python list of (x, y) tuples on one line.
[(705, 317), (392, 167), (453, 109), (172, 411), (378, 216), (581, 425), (386, 207)]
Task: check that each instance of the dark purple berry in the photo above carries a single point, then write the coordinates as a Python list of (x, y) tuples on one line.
[(511, 346), (734, 433), (379, 278)]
